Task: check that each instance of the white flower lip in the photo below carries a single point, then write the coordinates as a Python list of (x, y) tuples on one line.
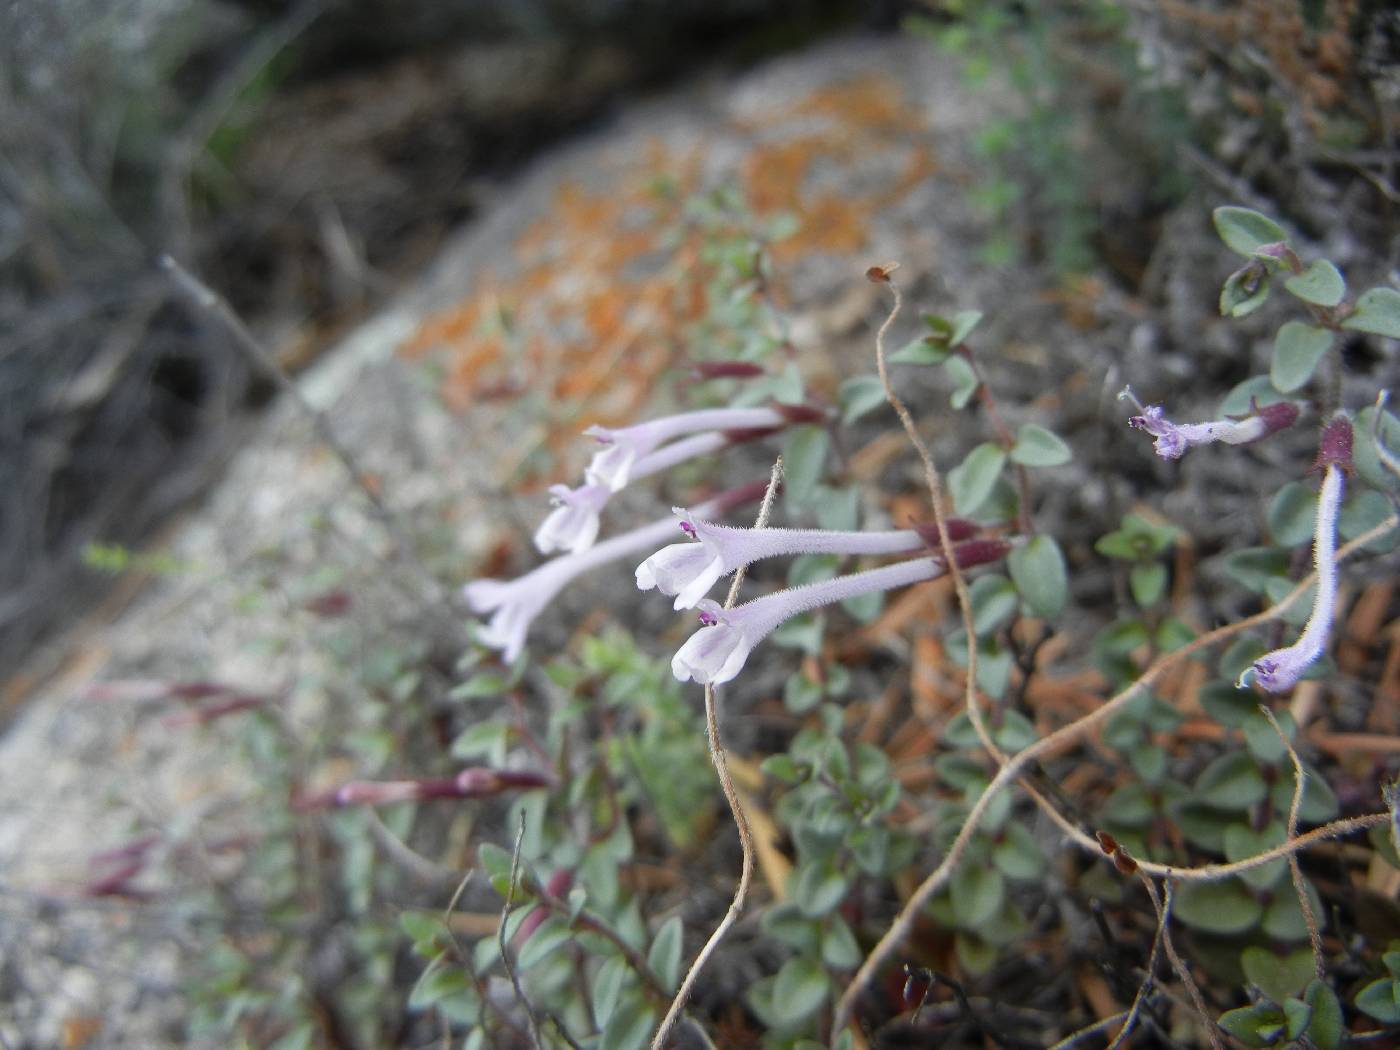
[(716, 653), (618, 463), (574, 522)]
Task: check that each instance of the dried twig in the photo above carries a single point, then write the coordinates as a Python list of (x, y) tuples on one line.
[(501, 937), (731, 794), (1294, 868)]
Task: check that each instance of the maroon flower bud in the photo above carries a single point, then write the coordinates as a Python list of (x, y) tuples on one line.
[(980, 552), (728, 370), (958, 529), (803, 413), (1334, 447)]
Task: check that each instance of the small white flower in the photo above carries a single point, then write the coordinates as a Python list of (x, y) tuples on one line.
[(615, 465), (574, 522), (689, 570), (1173, 439)]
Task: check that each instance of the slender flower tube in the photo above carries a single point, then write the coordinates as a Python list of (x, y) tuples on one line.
[(689, 570), (1280, 670), (716, 653), (514, 604), (1173, 439), (615, 465), (473, 782), (574, 522)]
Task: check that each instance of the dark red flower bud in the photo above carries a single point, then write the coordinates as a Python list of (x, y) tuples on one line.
[(1334, 448), (980, 552), (958, 529), (728, 370)]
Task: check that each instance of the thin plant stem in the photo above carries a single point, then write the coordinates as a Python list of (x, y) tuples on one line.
[(1093, 1029), (501, 937), (1294, 868), (1179, 965), (731, 795), (1065, 737)]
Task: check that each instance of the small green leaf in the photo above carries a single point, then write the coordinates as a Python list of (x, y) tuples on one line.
[(1299, 1016), (1291, 514), (840, 949), (1037, 447), (1253, 567), (1378, 312), (800, 989), (1217, 907), (1261, 739), (1254, 390), (964, 321), (607, 987), (994, 602), (1363, 512), (922, 351), (859, 396), (547, 937), (1018, 855), (1380, 999), (804, 457), (1283, 918), (786, 923), (975, 955), (1244, 291), (664, 958), (1242, 841), (1147, 583), (629, 1027), (964, 379), (971, 480), (819, 889), (977, 894), (1245, 231), (1325, 1028), (1319, 803), (1298, 348), (479, 686), (1320, 283), (1232, 782), (1364, 454), (1257, 1025), (1278, 976), (1038, 570)]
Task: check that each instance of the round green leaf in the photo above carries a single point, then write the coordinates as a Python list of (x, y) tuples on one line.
[(1231, 782), (1378, 312), (1257, 1025), (1298, 348), (1244, 231), (1243, 292), (1261, 739), (1364, 511), (1325, 1028), (819, 889), (1320, 283), (922, 351), (1364, 454), (1381, 1000), (664, 958), (840, 949), (804, 455), (1018, 855), (1038, 570), (971, 480), (1292, 514), (1278, 976), (977, 894), (964, 379), (1037, 447), (1147, 582), (859, 396), (800, 989), (1283, 918), (1217, 907), (994, 601), (1256, 389), (964, 321)]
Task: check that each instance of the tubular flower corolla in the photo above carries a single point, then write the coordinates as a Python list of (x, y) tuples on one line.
[(717, 652), (688, 570), (627, 447), (574, 522), (1280, 670), (514, 604), (1173, 439)]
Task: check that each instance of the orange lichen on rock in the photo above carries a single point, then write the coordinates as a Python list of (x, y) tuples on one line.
[(594, 302)]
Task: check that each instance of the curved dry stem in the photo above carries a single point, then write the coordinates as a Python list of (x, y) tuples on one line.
[(1294, 868), (1163, 907), (731, 795), (1062, 739)]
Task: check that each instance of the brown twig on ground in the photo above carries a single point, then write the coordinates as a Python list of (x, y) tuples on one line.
[(731, 794), (1294, 868)]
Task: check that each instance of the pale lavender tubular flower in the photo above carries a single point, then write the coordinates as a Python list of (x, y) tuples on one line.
[(615, 465), (514, 604), (1173, 439), (689, 570), (717, 652), (574, 522), (1280, 670)]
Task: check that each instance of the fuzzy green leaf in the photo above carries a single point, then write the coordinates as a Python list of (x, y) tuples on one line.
[(800, 989), (1217, 907), (971, 480), (1038, 447), (1320, 283), (922, 351), (1377, 312), (664, 958), (804, 456), (1245, 231), (964, 379), (1232, 782), (1278, 976), (1381, 1000), (1038, 570), (1298, 348), (859, 396), (1147, 582), (1325, 1028), (1292, 514)]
